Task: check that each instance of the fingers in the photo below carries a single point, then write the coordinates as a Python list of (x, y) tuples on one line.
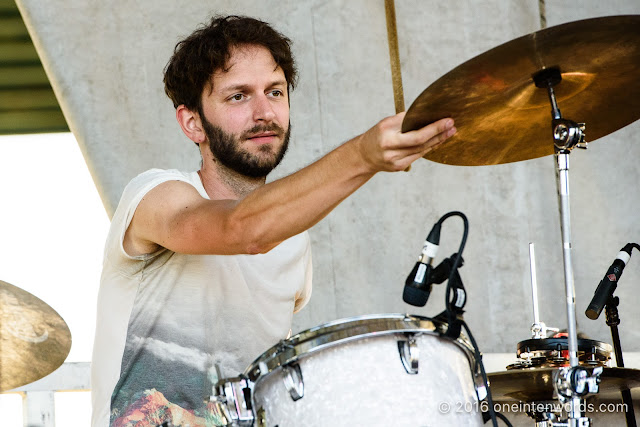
[(385, 147), (402, 158), (417, 144), (432, 134)]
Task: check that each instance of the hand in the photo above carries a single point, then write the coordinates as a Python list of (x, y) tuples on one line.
[(385, 148)]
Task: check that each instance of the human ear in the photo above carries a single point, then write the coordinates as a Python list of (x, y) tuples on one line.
[(190, 123)]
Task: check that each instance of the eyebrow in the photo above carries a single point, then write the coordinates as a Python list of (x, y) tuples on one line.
[(245, 87)]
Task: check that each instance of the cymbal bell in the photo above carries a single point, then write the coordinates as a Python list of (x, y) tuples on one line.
[(536, 385), (500, 114), (34, 339)]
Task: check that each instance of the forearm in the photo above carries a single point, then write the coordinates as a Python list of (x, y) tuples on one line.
[(288, 206)]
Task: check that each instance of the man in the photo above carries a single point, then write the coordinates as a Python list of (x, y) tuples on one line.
[(205, 269)]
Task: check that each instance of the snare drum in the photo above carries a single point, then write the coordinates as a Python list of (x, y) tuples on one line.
[(383, 370)]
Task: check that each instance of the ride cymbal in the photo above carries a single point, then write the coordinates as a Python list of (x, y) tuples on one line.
[(34, 339), (500, 114)]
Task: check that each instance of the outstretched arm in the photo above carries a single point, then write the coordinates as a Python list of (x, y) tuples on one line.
[(173, 215)]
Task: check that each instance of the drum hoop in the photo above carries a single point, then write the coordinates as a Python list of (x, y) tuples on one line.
[(345, 330)]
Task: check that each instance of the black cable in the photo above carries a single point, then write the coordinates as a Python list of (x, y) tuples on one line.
[(452, 313), (485, 380), (458, 259), (505, 419)]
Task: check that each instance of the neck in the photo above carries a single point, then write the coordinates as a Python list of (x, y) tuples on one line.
[(221, 182)]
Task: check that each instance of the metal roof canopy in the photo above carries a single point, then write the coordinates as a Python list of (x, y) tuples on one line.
[(27, 101)]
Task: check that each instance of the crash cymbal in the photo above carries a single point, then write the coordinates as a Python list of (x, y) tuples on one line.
[(536, 385), (34, 339), (500, 114)]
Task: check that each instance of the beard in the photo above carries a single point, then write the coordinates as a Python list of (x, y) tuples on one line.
[(227, 149)]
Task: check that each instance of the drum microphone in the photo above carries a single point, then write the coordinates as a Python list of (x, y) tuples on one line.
[(417, 287), (608, 284)]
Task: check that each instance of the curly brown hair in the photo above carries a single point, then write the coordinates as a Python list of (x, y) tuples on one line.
[(208, 49)]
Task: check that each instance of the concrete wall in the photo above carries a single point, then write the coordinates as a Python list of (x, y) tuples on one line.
[(105, 61)]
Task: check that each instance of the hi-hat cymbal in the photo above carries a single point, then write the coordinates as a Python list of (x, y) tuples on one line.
[(34, 339), (536, 385), (500, 114)]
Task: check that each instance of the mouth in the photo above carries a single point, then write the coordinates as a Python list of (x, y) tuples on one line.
[(263, 137)]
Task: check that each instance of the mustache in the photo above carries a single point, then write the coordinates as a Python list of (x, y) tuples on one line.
[(272, 127)]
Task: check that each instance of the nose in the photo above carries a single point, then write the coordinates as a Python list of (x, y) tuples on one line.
[(263, 110)]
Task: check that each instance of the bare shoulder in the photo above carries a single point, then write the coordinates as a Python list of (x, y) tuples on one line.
[(155, 210)]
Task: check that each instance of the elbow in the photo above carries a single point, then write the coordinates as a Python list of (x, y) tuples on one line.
[(256, 248), (259, 244), (249, 238)]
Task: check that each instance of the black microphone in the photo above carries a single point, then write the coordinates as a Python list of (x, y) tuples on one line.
[(417, 287), (608, 284)]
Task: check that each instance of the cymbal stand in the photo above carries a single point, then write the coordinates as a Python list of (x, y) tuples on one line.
[(572, 384)]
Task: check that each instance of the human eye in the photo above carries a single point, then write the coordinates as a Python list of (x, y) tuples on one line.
[(236, 97), (277, 93)]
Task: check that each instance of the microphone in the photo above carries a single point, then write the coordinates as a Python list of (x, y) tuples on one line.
[(608, 284), (417, 287)]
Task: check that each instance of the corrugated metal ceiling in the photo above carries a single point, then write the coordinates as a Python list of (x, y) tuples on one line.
[(27, 102)]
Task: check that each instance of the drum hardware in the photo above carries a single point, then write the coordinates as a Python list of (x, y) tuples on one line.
[(409, 354), (231, 401), (545, 376), (537, 384), (553, 353), (538, 329), (260, 418), (293, 381), (567, 134), (603, 295), (578, 380), (541, 351)]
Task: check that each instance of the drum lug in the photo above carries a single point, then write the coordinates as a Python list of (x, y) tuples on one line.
[(293, 381), (231, 402), (261, 419), (409, 354)]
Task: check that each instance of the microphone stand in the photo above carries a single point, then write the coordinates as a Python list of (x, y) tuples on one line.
[(613, 320)]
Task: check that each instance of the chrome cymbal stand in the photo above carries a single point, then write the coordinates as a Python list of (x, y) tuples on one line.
[(572, 384)]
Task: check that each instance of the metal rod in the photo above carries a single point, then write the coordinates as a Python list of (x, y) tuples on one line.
[(534, 284), (555, 111), (565, 225)]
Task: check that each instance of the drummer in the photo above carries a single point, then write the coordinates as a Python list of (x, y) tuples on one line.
[(205, 269)]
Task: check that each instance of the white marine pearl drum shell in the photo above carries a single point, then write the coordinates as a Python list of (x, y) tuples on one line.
[(361, 381)]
